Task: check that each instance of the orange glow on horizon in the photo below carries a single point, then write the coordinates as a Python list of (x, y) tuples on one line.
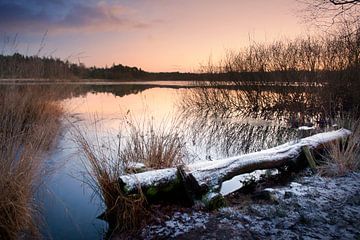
[(162, 35)]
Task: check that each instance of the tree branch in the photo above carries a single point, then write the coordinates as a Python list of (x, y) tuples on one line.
[(337, 2)]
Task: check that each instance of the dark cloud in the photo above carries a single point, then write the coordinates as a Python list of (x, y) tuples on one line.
[(57, 15), (15, 16)]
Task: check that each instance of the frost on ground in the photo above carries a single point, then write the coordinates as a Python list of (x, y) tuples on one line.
[(310, 208), (176, 226)]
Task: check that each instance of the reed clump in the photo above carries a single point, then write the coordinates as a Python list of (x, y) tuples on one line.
[(106, 162), (284, 79), (29, 121), (123, 213), (343, 156), (156, 147)]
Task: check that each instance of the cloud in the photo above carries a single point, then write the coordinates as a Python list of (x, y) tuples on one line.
[(64, 16)]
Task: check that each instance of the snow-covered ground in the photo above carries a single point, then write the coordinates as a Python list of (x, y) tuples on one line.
[(310, 207)]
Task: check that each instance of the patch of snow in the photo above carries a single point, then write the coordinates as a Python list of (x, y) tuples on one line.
[(177, 225), (309, 208), (150, 178), (295, 189), (306, 128), (136, 165)]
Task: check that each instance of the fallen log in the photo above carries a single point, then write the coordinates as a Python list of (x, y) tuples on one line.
[(201, 178)]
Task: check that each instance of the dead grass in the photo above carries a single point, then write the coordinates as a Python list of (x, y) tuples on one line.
[(103, 171), (29, 121), (343, 156), (155, 147)]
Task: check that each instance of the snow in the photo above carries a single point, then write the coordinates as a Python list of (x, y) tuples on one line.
[(178, 224), (147, 179), (213, 173), (201, 170), (295, 189), (317, 208), (306, 128), (136, 165)]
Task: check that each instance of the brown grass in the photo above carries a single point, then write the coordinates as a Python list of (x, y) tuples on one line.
[(123, 212), (343, 156), (155, 147), (29, 121), (285, 78)]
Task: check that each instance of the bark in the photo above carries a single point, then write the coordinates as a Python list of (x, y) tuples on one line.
[(198, 179)]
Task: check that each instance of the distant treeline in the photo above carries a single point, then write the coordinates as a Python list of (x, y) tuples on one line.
[(120, 72), (20, 66), (329, 58), (32, 67)]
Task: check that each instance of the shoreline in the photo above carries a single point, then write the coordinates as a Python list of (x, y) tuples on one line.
[(310, 207)]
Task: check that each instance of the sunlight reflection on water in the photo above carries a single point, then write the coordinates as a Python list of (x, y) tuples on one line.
[(71, 208)]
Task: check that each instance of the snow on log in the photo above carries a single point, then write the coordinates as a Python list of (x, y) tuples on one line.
[(215, 172), (210, 174), (146, 180)]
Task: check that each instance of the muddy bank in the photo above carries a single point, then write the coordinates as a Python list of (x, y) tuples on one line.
[(309, 207)]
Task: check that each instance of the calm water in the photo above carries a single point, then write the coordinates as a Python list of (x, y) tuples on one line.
[(71, 207)]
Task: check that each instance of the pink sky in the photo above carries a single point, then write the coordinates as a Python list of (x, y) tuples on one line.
[(156, 35)]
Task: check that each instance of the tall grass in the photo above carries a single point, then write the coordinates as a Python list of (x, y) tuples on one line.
[(123, 213), (155, 147), (305, 59), (286, 79), (161, 146), (29, 122), (343, 156)]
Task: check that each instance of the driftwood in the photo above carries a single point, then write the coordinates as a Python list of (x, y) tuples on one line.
[(203, 179)]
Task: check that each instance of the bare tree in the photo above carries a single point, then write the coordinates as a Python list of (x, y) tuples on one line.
[(330, 13)]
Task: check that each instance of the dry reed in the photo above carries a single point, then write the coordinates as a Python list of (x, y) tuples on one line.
[(287, 78), (29, 120), (123, 213), (155, 147), (343, 156)]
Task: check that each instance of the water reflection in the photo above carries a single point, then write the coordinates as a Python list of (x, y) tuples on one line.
[(230, 121), (267, 105), (117, 90), (155, 103), (217, 122), (71, 207), (221, 138)]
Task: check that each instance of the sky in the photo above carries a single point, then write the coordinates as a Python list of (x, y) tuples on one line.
[(155, 35)]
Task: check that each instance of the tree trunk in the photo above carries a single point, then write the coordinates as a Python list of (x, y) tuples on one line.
[(201, 178)]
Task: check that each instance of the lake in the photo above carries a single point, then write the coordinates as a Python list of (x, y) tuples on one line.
[(215, 122)]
